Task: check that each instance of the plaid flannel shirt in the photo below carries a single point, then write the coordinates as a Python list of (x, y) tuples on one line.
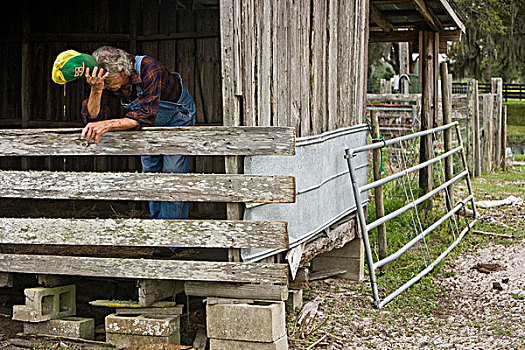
[(157, 84)]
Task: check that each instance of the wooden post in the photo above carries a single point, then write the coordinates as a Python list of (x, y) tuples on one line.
[(385, 87), (378, 192), (404, 86), (426, 52), (446, 100), (231, 106), (26, 75), (469, 127), (504, 139), (476, 133), (488, 109), (497, 89)]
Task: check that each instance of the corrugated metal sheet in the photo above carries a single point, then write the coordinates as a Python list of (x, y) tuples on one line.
[(324, 192)]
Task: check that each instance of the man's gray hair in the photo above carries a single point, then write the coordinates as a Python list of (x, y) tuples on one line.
[(113, 60)]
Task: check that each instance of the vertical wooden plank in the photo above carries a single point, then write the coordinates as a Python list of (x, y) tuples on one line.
[(333, 17), (469, 128), (133, 18), (167, 49), (362, 82), (231, 108), (264, 59), (497, 87), (26, 68), (446, 95), (294, 71), (150, 25), (304, 32), (476, 132), (249, 56), (504, 139), (280, 64), (318, 76), (488, 109), (344, 55), (378, 193), (427, 113)]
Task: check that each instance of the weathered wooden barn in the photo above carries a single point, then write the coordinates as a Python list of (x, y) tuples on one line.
[(299, 64)]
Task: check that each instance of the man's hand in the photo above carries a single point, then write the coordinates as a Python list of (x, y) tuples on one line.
[(96, 79), (94, 130)]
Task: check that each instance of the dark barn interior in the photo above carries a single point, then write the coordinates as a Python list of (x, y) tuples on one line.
[(183, 35)]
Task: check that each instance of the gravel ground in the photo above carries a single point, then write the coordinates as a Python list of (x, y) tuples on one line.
[(471, 313)]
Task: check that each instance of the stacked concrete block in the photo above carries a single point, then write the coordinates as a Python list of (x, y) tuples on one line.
[(76, 327), (44, 304), (295, 299), (234, 325), (133, 330), (349, 258)]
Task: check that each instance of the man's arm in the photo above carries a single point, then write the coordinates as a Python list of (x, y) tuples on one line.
[(96, 129)]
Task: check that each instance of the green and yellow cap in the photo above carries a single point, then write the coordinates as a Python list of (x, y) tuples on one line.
[(71, 65)]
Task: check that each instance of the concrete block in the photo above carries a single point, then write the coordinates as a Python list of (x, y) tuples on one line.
[(122, 341), (44, 304), (352, 249), (221, 344), (295, 299), (147, 325), (256, 322), (77, 327), (349, 258)]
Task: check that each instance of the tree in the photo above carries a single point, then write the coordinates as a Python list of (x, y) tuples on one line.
[(494, 44)]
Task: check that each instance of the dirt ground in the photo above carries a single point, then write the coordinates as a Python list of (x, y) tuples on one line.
[(471, 312)]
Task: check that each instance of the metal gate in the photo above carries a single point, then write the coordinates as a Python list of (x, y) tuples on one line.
[(412, 202)]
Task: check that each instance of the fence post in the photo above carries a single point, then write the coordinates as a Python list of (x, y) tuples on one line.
[(504, 139), (497, 89), (488, 109), (378, 192), (469, 127), (386, 87), (446, 100), (476, 134)]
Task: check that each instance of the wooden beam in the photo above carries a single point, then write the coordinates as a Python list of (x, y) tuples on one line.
[(411, 36), (151, 291), (453, 15), (148, 186), (145, 233), (145, 268), (430, 18), (237, 291), (379, 19), (198, 140)]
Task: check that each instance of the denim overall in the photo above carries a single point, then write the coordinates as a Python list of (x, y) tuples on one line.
[(181, 113)]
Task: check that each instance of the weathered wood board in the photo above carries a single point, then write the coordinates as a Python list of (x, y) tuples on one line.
[(147, 186), (145, 233), (145, 268), (240, 291), (198, 140)]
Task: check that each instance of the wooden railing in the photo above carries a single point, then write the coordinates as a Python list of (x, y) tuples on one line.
[(228, 234)]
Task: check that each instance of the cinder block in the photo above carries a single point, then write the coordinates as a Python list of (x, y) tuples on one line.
[(295, 299), (122, 341), (349, 258), (256, 322), (77, 327), (147, 325), (44, 304), (221, 344)]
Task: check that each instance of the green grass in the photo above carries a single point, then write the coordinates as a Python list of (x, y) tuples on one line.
[(516, 134), (515, 112)]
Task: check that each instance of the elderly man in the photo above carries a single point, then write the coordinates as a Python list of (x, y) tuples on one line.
[(152, 96)]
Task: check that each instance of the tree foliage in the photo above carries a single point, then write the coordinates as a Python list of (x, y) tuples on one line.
[(494, 44)]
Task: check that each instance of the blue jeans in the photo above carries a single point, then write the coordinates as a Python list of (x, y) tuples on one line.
[(169, 164), (181, 113)]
